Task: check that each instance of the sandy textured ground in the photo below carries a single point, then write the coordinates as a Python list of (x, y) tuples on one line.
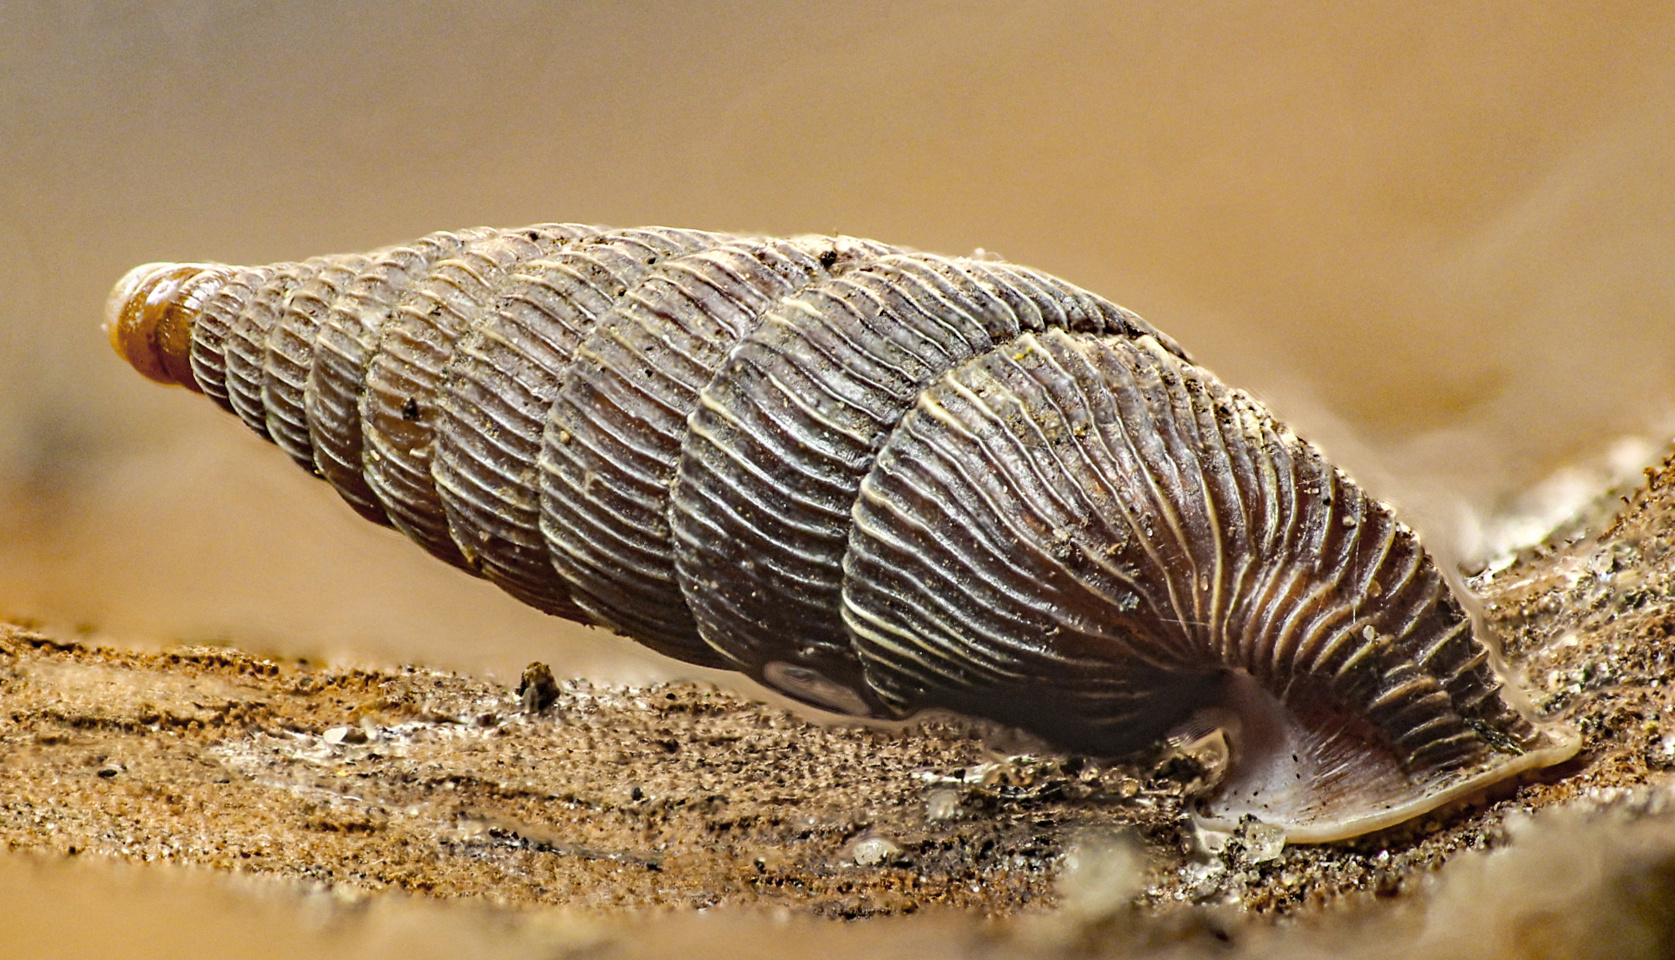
[(349, 786)]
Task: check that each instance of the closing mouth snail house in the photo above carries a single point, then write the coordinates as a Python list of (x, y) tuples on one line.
[(880, 481)]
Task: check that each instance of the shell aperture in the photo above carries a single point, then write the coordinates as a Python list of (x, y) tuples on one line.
[(880, 481)]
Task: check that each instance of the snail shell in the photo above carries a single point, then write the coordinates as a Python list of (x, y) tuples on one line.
[(880, 481)]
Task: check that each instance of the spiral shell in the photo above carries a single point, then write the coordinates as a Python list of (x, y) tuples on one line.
[(880, 481)]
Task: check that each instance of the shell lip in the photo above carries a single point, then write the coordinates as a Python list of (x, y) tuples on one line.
[(1562, 743)]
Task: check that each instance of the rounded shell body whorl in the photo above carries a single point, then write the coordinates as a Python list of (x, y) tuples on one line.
[(880, 481)]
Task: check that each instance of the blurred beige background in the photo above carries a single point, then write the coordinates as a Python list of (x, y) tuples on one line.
[(1438, 237)]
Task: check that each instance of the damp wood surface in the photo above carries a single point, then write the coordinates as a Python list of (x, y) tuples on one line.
[(682, 797)]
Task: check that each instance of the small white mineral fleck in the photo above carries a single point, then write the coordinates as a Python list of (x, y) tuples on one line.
[(942, 805), (1263, 842), (337, 736), (872, 850)]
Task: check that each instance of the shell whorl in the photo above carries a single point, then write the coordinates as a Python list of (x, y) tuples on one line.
[(879, 480)]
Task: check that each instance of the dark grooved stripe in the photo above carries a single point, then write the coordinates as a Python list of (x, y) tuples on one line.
[(621, 411), (1014, 455), (1007, 447), (344, 345), (404, 375), (814, 390), (246, 343), (290, 355), (209, 333), (498, 392)]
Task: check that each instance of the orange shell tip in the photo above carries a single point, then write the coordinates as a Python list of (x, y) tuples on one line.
[(140, 304)]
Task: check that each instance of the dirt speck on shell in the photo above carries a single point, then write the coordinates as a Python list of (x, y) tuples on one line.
[(506, 807)]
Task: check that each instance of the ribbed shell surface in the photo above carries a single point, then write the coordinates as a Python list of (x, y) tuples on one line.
[(813, 392), (613, 438), (881, 481), (1148, 523), (499, 393)]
